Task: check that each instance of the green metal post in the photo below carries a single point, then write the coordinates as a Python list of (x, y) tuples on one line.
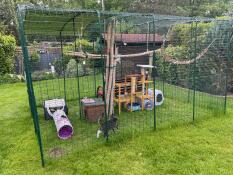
[(79, 94), (147, 36), (63, 65), (32, 101), (94, 72), (190, 66), (77, 73), (227, 70), (121, 47), (191, 3), (154, 74), (164, 66), (176, 75), (103, 66), (194, 73)]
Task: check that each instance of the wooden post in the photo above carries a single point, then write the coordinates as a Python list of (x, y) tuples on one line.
[(133, 91), (110, 69), (143, 86)]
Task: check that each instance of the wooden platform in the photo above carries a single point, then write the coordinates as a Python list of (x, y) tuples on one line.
[(133, 88)]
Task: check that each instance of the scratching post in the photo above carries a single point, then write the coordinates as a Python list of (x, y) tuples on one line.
[(133, 91), (110, 69), (143, 86)]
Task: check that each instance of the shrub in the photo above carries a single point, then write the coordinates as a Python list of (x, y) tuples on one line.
[(34, 60), (71, 70), (210, 71), (7, 51), (59, 63), (81, 44), (42, 75), (181, 33), (178, 52), (10, 78)]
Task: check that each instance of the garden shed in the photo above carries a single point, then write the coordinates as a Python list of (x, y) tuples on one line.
[(126, 43)]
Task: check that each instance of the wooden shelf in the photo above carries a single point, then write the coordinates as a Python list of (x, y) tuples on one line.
[(133, 86)]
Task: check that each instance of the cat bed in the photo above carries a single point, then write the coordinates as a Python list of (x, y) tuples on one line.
[(159, 98)]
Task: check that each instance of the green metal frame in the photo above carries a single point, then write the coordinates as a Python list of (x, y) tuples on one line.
[(194, 71), (152, 21), (30, 90)]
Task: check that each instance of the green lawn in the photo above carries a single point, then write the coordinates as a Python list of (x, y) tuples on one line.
[(203, 148)]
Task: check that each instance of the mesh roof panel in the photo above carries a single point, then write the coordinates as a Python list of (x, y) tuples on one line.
[(52, 21)]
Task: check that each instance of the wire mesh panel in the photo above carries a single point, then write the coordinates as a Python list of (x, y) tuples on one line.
[(214, 69), (96, 76), (71, 79), (175, 75)]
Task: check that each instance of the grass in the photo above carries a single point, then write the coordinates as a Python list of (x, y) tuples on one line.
[(177, 109), (177, 147)]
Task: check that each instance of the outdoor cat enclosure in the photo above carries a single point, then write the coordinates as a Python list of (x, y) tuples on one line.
[(149, 71)]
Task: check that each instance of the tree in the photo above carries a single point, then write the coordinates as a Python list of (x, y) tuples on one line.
[(210, 71), (8, 16), (2, 28), (34, 60), (7, 51), (208, 8), (71, 70)]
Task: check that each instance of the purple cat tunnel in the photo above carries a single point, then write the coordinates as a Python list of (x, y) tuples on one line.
[(63, 125)]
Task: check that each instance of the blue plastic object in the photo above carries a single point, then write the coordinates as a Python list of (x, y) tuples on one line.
[(148, 104), (135, 107)]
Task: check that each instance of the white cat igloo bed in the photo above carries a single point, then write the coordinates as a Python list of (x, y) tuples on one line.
[(159, 98)]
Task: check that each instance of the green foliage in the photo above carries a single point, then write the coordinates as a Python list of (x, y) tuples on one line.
[(2, 28), (10, 78), (71, 70), (34, 59), (213, 9), (61, 64), (183, 34), (209, 8), (70, 66), (210, 71), (7, 51), (81, 45), (81, 70), (215, 63), (206, 8), (57, 63), (8, 15), (178, 52), (119, 5), (177, 75), (126, 26), (42, 75)]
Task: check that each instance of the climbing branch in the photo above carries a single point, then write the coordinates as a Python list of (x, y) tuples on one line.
[(167, 57), (110, 70)]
